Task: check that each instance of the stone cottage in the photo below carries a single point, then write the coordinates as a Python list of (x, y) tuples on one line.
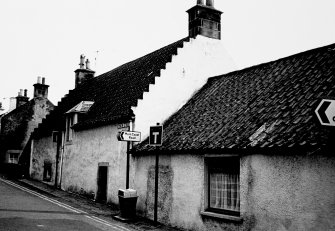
[(78, 141), (248, 151), (18, 124)]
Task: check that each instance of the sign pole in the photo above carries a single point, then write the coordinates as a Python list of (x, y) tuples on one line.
[(127, 175), (155, 139), (156, 187)]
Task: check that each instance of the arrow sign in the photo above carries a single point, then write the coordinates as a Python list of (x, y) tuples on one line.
[(326, 112), (129, 136)]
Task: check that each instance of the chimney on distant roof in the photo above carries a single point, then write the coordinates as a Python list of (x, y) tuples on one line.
[(40, 88), (204, 20), (83, 74), (210, 3), (21, 99)]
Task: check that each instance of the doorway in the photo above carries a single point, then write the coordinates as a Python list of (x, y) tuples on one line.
[(102, 182)]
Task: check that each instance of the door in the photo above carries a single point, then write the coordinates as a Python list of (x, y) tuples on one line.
[(102, 184)]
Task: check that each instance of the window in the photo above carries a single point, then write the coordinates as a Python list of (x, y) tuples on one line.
[(223, 185), (54, 136), (13, 158), (71, 120), (72, 117)]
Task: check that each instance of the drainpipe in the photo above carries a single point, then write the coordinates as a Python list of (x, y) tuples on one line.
[(31, 157), (61, 159), (58, 151)]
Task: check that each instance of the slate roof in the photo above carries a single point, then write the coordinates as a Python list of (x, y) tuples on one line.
[(268, 106), (113, 92)]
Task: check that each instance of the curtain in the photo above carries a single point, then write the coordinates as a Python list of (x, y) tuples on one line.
[(225, 191)]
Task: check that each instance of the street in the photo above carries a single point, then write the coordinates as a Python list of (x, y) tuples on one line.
[(23, 209)]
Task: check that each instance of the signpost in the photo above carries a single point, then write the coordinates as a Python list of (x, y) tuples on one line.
[(156, 135), (156, 139), (129, 136), (326, 112)]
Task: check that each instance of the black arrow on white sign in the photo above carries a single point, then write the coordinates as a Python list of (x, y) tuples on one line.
[(322, 112)]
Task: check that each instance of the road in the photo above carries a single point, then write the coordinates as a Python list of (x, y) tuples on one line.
[(23, 209)]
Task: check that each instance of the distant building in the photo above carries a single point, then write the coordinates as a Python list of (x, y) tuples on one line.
[(18, 124)]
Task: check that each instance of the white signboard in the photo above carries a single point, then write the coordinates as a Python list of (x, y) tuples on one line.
[(326, 112), (129, 136)]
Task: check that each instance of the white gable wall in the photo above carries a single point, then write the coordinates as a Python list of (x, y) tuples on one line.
[(189, 70)]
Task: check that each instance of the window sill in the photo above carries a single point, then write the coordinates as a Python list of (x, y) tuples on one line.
[(221, 216)]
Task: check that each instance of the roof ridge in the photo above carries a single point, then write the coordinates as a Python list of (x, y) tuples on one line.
[(186, 39), (245, 69)]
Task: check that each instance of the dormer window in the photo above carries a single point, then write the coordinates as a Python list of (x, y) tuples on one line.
[(73, 115)]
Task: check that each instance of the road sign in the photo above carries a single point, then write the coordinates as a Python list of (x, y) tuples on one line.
[(326, 112), (156, 135), (129, 136)]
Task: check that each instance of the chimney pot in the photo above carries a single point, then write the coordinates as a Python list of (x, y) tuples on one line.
[(210, 3), (200, 2), (82, 60), (43, 80), (39, 79), (87, 64), (25, 92), (21, 92)]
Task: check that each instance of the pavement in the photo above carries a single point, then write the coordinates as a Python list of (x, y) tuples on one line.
[(100, 210)]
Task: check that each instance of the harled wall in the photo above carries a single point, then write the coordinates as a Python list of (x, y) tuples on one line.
[(277, 192)]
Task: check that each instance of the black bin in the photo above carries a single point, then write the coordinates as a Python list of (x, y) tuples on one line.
[(127, 203)]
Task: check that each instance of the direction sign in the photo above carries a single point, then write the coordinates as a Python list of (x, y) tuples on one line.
[(326, 112), (129, 136), (156, 135)]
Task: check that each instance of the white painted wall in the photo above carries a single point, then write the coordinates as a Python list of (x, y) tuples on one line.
[(82, 156), (278, 192), (189, 70)]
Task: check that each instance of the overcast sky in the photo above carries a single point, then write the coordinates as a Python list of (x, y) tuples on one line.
[(45, 38)]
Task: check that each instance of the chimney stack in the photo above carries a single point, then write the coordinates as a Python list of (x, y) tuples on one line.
[(83, 74), (204, 20), (21, 99), (40, 88), (210, 3)]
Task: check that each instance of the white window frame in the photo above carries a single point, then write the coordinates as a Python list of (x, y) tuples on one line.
[(71, 119)]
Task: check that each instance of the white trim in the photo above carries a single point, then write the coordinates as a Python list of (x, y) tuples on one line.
[(220, 216)]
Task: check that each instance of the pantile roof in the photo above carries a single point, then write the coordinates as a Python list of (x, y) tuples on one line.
[(268, 106), (114, 92)]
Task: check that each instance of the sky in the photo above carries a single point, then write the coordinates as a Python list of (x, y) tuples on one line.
[(46, 38)]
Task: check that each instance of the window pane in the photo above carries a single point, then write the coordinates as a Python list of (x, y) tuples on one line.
[(224, 191), (224, 184)]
